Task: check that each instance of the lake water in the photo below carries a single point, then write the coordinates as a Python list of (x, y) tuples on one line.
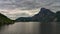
[(28, 28)]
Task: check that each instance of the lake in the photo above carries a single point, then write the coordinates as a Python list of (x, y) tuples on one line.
[(29, 28)]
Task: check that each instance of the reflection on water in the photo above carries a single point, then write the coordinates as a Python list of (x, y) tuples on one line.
[(29, 28), (48, 28), (21, 28)]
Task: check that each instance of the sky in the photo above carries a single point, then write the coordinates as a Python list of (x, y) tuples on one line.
[(26, 8)]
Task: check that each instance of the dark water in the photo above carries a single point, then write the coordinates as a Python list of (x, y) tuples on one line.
[(28, 28)]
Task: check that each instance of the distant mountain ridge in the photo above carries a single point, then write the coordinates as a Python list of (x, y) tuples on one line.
[(44, 15)]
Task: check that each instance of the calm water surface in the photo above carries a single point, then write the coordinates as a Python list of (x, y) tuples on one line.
[(26, 28)]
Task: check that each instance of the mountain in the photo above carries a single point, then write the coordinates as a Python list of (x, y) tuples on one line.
[(5, 20), (23, 19), (58, 16), (45, 15)]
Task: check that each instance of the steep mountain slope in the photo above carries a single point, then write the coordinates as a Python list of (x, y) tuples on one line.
[(45, 15), (5, 20)]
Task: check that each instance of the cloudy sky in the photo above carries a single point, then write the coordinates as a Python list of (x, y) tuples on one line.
[(25, 8)]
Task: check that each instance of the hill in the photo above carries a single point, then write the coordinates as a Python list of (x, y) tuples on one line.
[(5, 20)]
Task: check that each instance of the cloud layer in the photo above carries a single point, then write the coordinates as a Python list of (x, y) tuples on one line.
[(23, 4), (24, 8)]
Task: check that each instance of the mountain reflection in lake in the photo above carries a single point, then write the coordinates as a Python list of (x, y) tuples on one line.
[(28, 28)]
